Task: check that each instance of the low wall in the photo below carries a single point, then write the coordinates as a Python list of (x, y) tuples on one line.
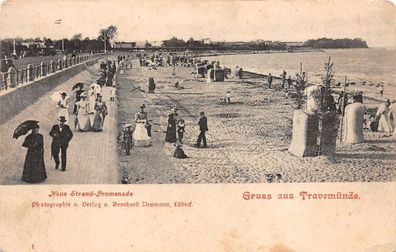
[(17, 100)]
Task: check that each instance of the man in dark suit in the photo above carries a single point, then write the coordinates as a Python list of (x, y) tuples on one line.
[(203, 127), (61, 136)]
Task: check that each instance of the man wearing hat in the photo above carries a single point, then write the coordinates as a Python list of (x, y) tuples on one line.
[(203, 127), (61, 136), (63, 106)]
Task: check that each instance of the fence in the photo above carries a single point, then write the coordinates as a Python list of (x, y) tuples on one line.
[(15, 77)]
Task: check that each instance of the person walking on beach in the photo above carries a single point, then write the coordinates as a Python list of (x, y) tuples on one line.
[(283, 75), (34, 167), (269, 80), (203, 127), (171, 128), (127, 140), (385, 116), (289, 82), (140, 134), (61, 136), (180, 130), (381, 89)]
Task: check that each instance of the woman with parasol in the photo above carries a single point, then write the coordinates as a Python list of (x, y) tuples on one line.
[(78, 89), (94, 90), (63, 106), (34, 167)]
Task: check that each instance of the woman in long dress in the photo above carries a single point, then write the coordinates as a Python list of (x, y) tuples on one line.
[(34, 167), (63, 107), (140, 135), (92, 100), (100, 114), (171, 129), (385, 115), (82, 114)]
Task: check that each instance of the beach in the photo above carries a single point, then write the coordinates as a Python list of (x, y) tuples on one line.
[(248, 139)]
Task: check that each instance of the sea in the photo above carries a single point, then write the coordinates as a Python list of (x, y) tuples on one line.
[(368, 65)]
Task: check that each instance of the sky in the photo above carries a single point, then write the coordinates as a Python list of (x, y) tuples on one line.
[(220, 20)]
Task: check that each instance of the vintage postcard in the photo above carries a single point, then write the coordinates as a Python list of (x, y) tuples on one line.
[(175, 125)]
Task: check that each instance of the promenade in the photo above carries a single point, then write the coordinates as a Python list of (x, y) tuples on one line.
[(92, 157)]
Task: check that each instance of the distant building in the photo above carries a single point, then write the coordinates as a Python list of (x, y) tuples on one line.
[(39, 44), (124, 45), (294, 44)]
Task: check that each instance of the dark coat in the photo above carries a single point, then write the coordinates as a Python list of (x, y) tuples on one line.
[(203, 124), (179, 153), (34, 167), (61, 138), (171, 129)]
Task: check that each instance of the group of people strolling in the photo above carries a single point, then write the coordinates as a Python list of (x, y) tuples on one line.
[(34, 167), (89, 109), (176, 128), (90, 115), (141, 135)]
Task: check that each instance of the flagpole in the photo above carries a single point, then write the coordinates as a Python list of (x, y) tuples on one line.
[(59, 21)]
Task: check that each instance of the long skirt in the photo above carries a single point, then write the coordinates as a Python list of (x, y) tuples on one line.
[(171, 135), (385, 123), (83, 122), (34, 167), (98, 122), (92, 101), (140, 136)]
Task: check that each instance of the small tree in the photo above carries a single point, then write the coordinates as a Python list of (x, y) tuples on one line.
[(328, 119), (300, 85), (147, 44)]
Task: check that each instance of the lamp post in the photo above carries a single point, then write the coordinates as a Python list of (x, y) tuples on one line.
[(104, 39)]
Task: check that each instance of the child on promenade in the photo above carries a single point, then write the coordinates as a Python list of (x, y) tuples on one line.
[(112, 93)]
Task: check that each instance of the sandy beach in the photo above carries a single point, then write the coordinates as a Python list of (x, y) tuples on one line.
[(248, 139)]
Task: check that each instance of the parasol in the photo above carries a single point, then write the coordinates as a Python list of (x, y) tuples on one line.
[(78, 85), (56, 96), (97, 87), (24, 128)]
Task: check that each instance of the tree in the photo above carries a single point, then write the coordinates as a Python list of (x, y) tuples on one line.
[(48, 42), (173, 42), (147, 45), (77, 36), (109, 33)]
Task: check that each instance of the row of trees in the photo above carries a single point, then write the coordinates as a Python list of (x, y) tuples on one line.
[(47, 46), (191, 43), (336, 43)]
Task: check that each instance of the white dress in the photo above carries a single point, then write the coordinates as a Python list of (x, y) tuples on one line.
[(386, 119), (63, 109), (83, 119), (91, 100), (140, 136)]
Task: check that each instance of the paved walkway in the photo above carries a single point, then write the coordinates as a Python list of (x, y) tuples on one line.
[(92, 157)]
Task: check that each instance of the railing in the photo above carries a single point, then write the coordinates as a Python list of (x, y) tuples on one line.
[(15, 77)]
